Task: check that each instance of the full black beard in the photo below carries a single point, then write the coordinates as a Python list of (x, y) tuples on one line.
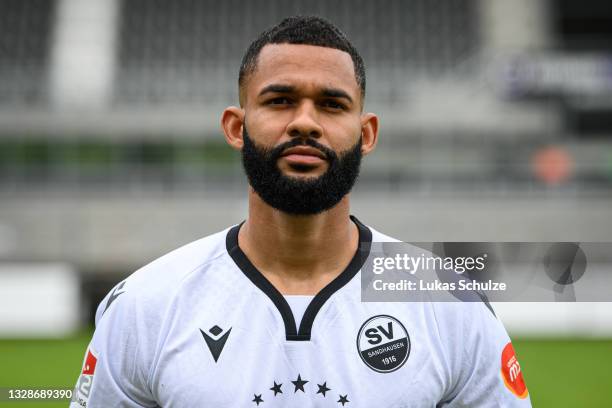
[(300, 196)]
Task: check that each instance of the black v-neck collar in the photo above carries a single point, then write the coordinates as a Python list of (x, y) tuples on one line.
[(251, 272)]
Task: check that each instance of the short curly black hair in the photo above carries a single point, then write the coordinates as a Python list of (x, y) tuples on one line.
[(309, 30)]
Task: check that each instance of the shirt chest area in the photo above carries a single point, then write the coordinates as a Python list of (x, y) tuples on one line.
[(367, 358)]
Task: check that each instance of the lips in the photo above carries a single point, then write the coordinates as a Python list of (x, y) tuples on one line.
[(304, 151), (304, 155)]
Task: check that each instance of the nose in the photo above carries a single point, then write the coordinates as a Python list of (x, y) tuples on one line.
[(304, 124)]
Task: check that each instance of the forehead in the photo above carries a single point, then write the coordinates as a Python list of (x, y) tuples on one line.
[(304, 66)]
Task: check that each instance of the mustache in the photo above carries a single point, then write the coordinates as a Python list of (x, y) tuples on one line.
[(277, 151)]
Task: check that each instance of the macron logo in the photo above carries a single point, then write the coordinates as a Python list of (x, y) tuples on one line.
[(217, 341)]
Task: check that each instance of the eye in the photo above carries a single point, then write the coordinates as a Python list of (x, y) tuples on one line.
[(333, 104), (281, 100)]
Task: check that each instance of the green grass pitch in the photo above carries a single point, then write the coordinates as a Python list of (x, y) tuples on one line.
[(558, 372)]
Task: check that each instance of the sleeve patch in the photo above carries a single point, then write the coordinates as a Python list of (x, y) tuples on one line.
[(90, 363), (80, 396), (511, 372)]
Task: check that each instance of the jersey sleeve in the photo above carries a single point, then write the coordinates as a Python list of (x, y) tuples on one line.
[(114, 374), (489, 374)]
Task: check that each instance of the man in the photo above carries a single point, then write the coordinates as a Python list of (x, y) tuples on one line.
[(268, 313)]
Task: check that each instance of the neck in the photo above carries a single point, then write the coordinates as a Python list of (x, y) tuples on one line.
[(299, 255)]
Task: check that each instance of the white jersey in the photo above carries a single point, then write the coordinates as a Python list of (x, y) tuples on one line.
[(202, 327)]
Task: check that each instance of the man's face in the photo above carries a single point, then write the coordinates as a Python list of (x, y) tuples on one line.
[(302, 128)]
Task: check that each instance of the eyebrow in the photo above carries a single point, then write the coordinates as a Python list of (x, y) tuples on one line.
[(336, 93), (276, 88), (327, 92)]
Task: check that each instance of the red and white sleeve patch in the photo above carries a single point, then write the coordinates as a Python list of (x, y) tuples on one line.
[(80, 396), (89, 367), (511, 372)]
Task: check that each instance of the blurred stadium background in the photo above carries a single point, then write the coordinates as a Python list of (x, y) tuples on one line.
[(496, 126)]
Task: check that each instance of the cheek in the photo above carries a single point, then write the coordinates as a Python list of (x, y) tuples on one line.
[(267, 127), (342, 135)]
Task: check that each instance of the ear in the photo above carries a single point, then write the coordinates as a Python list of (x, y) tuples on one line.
[(369, 132), (232, 120)]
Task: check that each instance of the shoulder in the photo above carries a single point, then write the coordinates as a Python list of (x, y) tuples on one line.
[(175, 265), (464, 306), (153, 285), (454, 313), (465, 318)]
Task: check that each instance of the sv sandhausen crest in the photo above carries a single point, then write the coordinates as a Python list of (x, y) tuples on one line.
[(383, 343)]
